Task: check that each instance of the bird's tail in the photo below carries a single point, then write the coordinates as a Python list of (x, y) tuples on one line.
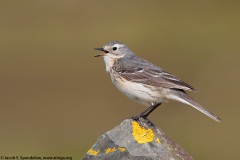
[(184, 98)]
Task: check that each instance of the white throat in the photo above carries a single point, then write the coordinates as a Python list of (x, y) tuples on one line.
[(109, 61)]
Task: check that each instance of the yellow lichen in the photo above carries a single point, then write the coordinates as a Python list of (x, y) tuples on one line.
[(158, 140), (140, 134), (93, 152), (109, 150), (122, 149)]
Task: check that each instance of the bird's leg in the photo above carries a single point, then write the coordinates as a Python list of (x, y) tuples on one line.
[(149, 110), (146, 112)]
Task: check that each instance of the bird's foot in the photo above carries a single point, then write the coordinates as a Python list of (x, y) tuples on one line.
[(137, 118)]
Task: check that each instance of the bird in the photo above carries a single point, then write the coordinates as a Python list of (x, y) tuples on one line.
[(144, 82)]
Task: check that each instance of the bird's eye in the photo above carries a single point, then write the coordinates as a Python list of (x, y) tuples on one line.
[(114, 48)]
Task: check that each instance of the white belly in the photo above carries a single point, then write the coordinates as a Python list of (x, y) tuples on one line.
[(138, 92)]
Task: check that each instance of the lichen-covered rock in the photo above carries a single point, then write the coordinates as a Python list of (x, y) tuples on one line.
[(133, 140)]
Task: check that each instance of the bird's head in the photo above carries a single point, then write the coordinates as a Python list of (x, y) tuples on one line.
[(114, 50)]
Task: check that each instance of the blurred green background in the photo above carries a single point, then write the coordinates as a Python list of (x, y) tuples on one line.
[(56, 99)]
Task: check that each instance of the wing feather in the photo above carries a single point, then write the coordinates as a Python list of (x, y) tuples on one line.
[(142, 71)]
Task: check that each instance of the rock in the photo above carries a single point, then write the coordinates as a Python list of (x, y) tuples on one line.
[(136, 140)]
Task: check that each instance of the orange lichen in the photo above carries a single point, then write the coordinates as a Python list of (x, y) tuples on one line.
[(140, 134), (122, 149), (158, 140), (109, 150), (93, 152)]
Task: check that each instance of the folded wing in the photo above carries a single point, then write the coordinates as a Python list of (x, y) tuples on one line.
[(142, 71)]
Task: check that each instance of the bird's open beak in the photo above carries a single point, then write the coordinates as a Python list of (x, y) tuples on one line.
[(101, 49)]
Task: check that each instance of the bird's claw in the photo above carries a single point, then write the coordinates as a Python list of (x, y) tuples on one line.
[(137, 118)]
